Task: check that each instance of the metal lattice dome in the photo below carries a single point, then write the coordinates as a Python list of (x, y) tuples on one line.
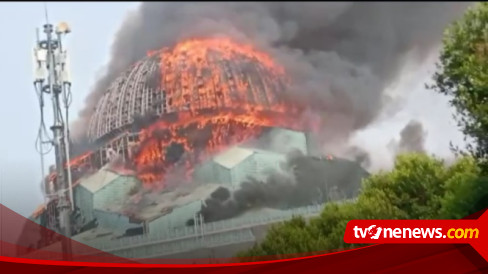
[(192, 75)]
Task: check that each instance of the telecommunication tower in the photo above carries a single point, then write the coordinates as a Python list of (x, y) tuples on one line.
[(52, 81)]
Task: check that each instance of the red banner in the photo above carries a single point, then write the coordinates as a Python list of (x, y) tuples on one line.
[(473, 232), (16, 240)]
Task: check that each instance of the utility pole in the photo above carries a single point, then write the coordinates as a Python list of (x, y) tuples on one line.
[(52, 79)]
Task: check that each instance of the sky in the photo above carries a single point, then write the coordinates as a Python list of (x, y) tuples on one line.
[(93, 27), (413, 101)]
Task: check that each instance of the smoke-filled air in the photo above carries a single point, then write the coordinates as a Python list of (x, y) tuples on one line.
[(229, 129), (336, 60), (301, 181), (341, 56)]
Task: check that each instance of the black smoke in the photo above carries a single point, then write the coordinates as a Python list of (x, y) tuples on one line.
[(305, 181), (359, 155), (80, 146), (340, 55), (142, 121), (412, 138)]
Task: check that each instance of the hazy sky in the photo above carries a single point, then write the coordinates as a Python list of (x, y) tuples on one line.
[(93, 25)]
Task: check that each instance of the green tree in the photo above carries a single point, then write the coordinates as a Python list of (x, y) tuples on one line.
[(462, 73), (466, 191), (291, 237), (418, 187), (414, 186)]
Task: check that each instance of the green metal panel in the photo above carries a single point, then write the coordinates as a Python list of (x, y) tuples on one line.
[(114, 193), (257, 165), (113, 220), (283, 140), (36, 220), (204, 173), (214, 234), (176, 219), (267, 162), (242, 171), (84, 201), (288, 140), (222, 174)]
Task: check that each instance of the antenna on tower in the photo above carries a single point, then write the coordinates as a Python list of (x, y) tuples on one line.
[(51, 79), (45, 13)]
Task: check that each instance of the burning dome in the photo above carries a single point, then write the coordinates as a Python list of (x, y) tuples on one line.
[(176, 139), (181, 105), (193, 75)]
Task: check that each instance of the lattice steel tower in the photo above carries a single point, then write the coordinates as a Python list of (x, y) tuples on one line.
[(52, 80)]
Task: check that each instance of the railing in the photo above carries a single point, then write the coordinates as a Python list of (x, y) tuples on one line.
[(157, 249), (186, 238)]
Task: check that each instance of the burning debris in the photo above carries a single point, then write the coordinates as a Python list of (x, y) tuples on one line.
[(218, 93), (202, 135)]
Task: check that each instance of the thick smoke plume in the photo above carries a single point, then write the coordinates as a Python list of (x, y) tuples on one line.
[(412, 138), (304, 181), (340, 55), (359, 155)]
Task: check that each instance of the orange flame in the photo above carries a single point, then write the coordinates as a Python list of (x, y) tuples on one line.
[(207, 84), (200, 136), (215, 104), (198, 73)]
